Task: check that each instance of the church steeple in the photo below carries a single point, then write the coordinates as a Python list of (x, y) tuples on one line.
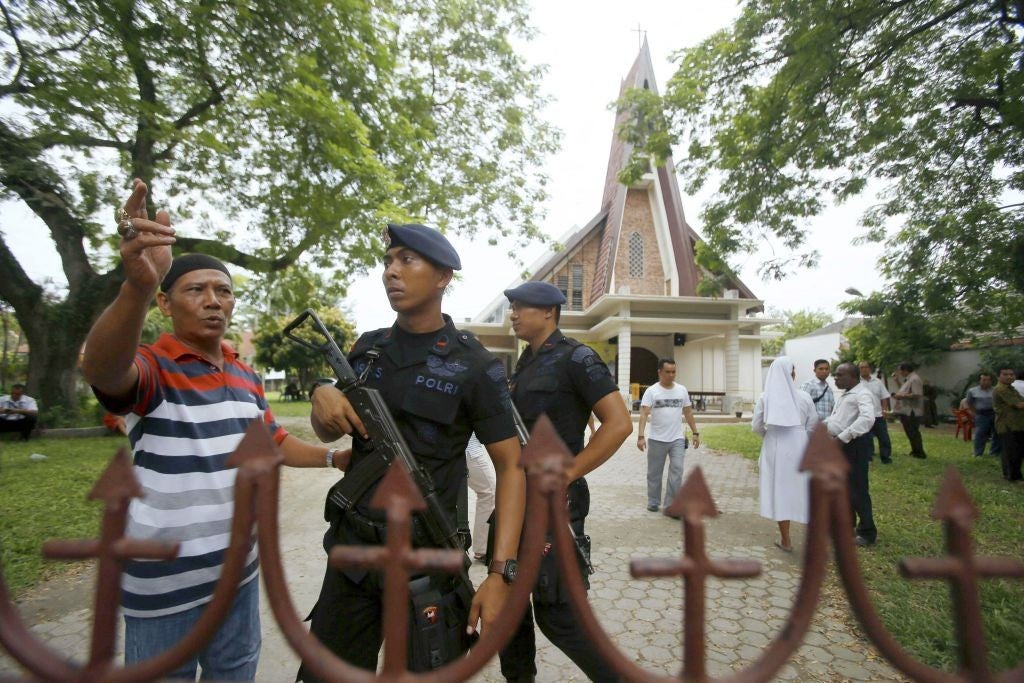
[(639, 241)]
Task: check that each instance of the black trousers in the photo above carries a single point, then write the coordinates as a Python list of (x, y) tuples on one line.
[(558, 623), (24, 426), (880, 431), (1012, 454), (912, 428), (858, 454)]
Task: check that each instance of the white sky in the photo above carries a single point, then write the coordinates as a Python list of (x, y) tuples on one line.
[(589, 47)]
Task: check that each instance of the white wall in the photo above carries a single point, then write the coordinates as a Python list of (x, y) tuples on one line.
[(804, 351), (700, 366)]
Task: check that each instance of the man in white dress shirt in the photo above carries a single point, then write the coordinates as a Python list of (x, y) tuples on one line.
[(880, 401), (850, 423)]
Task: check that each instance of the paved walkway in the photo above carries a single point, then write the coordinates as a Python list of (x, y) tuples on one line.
[(643, 616)]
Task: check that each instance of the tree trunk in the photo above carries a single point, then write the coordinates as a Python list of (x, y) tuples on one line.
[(55, 334)]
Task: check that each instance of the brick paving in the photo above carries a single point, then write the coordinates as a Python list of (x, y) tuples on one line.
[(644, 617)]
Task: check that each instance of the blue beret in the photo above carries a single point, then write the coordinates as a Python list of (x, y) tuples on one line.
[(536, 294), (427, 242)]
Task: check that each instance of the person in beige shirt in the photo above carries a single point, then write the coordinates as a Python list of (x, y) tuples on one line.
[(910, 407)]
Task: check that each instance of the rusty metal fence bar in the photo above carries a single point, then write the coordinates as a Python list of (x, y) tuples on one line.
[(545, 459)]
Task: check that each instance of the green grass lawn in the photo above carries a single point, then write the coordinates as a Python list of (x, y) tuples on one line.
[(919, 612), (40, 500), (288, 408)]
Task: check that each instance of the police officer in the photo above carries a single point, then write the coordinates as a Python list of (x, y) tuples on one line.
[(566, 380), (440, 385)]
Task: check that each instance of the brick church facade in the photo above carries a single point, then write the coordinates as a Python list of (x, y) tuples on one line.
[(630, 282)]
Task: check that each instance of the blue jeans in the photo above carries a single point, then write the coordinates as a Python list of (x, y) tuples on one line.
[(231, 655), (656, 453), (985, 429)]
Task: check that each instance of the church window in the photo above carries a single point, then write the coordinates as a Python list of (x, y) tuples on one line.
[(636, 255), (576, 298), (563, 285)]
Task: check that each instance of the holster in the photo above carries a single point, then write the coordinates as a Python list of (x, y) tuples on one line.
[(437, 628)]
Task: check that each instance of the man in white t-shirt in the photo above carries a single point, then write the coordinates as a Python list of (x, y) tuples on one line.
[(880, 400), (663, 404)]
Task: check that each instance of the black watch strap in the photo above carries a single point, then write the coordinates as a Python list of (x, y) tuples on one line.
[(507, 568)]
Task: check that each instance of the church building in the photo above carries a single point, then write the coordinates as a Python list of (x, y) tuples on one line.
[(630, 283)]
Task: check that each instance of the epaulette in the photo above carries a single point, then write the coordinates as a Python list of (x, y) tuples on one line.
[(368, 339), (469, 340)]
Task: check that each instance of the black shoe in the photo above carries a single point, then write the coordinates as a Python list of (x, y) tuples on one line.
[(652, 508), (861, 542), (887, 462), (922, 456)]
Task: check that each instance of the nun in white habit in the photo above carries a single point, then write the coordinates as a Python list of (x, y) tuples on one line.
[(784, 417)]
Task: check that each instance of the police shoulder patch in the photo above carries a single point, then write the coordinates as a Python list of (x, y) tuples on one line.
[(584, 354)]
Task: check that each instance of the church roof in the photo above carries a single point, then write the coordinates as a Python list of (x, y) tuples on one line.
[(607, 222)]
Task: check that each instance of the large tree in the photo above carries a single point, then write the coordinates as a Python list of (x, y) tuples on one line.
[(802, 104), (279, 132)]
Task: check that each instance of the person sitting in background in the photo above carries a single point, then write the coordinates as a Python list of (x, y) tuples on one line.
[(18, 412)]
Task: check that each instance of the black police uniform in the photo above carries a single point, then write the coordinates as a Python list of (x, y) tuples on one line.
[(564, 380), (440, 387)]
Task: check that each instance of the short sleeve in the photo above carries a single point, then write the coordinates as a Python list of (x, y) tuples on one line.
[(490, 405), (648, 398), (277, 432), (590, 376), (147, 390)]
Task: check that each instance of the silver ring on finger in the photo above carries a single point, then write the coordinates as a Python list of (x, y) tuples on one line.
[(127, 230)]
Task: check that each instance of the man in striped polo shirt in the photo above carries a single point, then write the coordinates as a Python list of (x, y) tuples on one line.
[(187, 400)]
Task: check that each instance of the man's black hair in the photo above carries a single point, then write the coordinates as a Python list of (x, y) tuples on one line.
[(665, 361), (1006, 366), (17, 385), (907, 367), (820, 361)]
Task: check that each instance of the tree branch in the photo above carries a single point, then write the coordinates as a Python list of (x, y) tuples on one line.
[(22, 54), (77, 140), (16, 288)]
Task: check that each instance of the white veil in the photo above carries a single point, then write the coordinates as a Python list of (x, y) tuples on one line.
[(781, 407)]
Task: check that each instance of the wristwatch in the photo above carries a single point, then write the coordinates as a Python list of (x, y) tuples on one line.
[(507, 568)]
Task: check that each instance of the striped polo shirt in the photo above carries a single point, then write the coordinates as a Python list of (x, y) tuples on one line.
[(187, 419)]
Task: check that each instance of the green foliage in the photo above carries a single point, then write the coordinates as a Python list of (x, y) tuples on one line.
[(994, 356), (897, 329), (799, 105), (903, 495), (274, 350), (279, 133), (46, 499), (796, 324)]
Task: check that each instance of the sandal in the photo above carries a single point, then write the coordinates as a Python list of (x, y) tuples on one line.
[(783, 548)]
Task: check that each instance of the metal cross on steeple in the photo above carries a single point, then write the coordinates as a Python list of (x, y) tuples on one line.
[(640, 35)]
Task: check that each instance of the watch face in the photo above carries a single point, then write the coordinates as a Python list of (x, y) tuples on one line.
[(511, 570)]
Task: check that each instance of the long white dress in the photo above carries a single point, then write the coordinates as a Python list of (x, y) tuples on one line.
[(784, 488)]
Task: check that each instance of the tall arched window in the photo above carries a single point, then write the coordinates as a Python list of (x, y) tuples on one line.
[(636, 255)]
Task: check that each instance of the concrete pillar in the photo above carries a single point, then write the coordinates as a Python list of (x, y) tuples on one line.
[(732, 363), (625, 354)]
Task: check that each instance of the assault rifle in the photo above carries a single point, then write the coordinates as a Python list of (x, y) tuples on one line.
[(524, 437), (387, 442)]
